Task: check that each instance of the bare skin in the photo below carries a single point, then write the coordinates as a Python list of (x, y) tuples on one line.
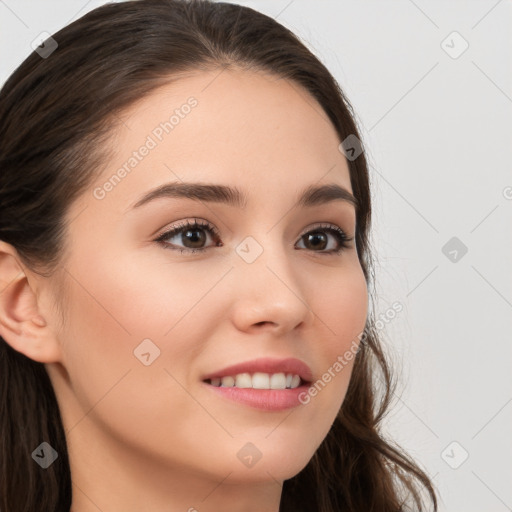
[(155, 437)]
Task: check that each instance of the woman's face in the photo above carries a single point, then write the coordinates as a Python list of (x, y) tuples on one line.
[(148, 321)]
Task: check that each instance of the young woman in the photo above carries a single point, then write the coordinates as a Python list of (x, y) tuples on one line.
[(186, 275)]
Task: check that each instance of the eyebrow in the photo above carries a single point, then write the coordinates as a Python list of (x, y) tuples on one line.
[(313, 195)]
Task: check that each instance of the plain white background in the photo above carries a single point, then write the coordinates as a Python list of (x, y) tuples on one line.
[(436, 118)]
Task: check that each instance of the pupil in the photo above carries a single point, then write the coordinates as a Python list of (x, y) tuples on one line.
[(318, 237), (194, 239)]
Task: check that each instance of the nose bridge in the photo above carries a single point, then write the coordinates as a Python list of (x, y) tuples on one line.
[(268, 289), (266, 261)]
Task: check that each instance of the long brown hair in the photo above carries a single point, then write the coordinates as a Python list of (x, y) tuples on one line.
[(55, 115)]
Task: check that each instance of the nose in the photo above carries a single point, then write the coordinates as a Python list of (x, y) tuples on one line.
[(269, 295)]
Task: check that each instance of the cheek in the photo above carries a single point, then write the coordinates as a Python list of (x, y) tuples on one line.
[(115, 304), (342, 310), (110, 314), (158, 298), (138, 299)]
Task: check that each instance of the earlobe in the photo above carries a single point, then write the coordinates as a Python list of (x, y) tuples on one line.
[(21, 324)]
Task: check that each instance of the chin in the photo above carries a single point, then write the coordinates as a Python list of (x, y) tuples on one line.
[(277, 465)]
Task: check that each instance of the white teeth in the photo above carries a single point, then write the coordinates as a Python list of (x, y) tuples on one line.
[(227, 382), (261, 381), (258, 380), (278, 381), (243, 380)]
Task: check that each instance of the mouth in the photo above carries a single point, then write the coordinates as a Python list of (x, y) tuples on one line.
[(258, 380), (265, 384)]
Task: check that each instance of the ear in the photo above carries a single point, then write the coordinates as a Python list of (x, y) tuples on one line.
[(22, 325)]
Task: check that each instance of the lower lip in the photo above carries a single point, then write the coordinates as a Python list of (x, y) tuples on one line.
[(265, 399)]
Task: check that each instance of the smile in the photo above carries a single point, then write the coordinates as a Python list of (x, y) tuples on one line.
[(258, 380)]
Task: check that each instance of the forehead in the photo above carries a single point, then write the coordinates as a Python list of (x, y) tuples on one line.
[(247, 128), (229, 106)]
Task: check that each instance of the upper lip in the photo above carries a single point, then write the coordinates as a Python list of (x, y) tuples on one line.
[(266, 365)]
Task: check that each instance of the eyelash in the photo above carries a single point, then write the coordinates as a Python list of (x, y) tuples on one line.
[(342, 238)]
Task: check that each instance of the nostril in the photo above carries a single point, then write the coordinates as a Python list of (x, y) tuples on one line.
[(264, 322)]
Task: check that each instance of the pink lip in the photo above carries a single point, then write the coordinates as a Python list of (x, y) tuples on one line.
[(266, 365), (265, 399)]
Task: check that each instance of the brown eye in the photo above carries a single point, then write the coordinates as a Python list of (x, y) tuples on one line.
[(193, 236), (317, 240)]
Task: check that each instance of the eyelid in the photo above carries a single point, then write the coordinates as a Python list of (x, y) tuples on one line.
[(166, 232), (324, 225)]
